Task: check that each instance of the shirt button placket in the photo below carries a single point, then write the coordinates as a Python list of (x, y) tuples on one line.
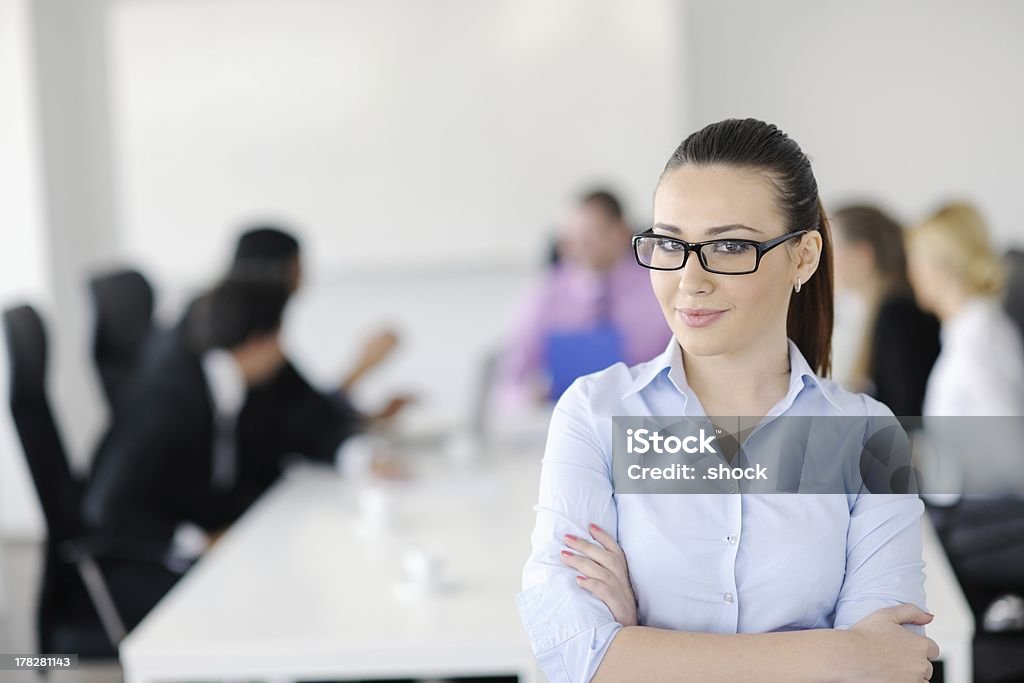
[(730, 545)]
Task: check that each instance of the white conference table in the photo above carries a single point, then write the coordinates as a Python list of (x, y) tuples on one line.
[(305, 587), (302, 588)]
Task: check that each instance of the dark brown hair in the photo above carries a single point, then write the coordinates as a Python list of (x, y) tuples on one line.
[(868, 224), (762, 147), (605, 200)]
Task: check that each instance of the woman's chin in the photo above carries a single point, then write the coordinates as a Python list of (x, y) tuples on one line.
[(702, 341)]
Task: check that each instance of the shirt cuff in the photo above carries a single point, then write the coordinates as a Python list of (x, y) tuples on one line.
[(568, 629)]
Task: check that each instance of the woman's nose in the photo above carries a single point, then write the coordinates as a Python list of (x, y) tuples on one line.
[(693, 279)]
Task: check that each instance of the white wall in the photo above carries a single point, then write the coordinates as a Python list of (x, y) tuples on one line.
[(21, 259), (71, 72), (447, 323), (57, 215), (905, 102), (457, 128), (23, 271)]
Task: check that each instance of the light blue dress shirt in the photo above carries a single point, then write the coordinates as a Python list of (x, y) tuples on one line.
[(711, 563)]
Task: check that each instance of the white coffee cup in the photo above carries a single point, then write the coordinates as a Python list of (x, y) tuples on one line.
[(376, 507), (422, 569)]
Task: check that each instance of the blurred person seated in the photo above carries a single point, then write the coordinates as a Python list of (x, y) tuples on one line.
[(269, 254), (1013, 299), (900, 342), (207, 426), (956, 275), (594, 307), (272, 254)]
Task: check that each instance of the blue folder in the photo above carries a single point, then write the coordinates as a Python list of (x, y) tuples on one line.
[(568, 355)]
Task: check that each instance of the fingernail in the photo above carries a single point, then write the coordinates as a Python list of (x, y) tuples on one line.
[(566, 553), (571, 538), (929, 614), (594, 527), (581, 578)]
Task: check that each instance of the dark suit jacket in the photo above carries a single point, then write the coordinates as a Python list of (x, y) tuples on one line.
[(154, 467), (905, 344)]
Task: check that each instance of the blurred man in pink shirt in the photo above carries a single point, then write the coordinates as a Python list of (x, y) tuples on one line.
[(594, 307)]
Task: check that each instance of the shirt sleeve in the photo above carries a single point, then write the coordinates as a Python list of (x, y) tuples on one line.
[(311, 423), (568, 628), (884, 565)]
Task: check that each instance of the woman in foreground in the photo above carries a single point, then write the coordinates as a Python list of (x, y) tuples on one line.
[(724, 587)]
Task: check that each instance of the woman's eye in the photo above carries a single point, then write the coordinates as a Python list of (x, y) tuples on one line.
[(668, 245), (732, 248)]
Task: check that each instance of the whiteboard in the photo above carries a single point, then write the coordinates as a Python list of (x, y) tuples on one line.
[(396, 134)]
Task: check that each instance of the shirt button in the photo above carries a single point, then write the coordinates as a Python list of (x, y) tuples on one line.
[(732, 488), (732, 538), (729, 598)]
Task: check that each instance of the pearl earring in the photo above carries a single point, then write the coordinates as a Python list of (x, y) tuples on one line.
[(797, 288)]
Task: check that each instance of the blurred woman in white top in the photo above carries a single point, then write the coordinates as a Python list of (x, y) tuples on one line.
[(957, 276), (979, 374)]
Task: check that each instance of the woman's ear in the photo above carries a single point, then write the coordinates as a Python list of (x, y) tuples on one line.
[(806, 255)]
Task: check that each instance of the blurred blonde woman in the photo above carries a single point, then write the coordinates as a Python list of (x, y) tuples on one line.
[(957, 276)]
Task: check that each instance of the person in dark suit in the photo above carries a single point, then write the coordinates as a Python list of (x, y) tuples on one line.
[(208, 426), (269, 253), (213, 416), (900, 342), (184, 450)]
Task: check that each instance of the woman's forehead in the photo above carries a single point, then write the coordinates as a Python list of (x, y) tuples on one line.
[(695, 198)]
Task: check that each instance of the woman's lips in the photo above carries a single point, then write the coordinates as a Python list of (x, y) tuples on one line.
[(699, 317)]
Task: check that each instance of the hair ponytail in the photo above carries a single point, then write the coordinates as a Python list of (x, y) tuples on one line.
[(811, 311)]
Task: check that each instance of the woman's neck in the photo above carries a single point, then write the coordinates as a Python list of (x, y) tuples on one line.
[(743, 383), (950, 302)]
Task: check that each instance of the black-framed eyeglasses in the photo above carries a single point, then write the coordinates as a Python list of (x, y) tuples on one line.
[(722, 257)]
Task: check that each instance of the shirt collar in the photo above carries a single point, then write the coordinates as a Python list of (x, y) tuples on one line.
[(800, 375), (671, 361), (225, 381), (667, 361)]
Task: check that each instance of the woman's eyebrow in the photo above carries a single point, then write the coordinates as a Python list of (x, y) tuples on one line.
[(710, 231), (726, 228), (667, 227)]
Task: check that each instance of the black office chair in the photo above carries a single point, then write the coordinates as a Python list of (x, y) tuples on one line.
[(76, 612), (123, 303), (984, 538), (1013, 298)]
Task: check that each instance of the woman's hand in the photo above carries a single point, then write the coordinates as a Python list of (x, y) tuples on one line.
[(394, 406), (886, 652), (603, 572)]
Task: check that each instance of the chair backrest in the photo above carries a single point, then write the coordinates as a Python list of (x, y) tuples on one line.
[(37, 430), (1013, 300), (123, 302)]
